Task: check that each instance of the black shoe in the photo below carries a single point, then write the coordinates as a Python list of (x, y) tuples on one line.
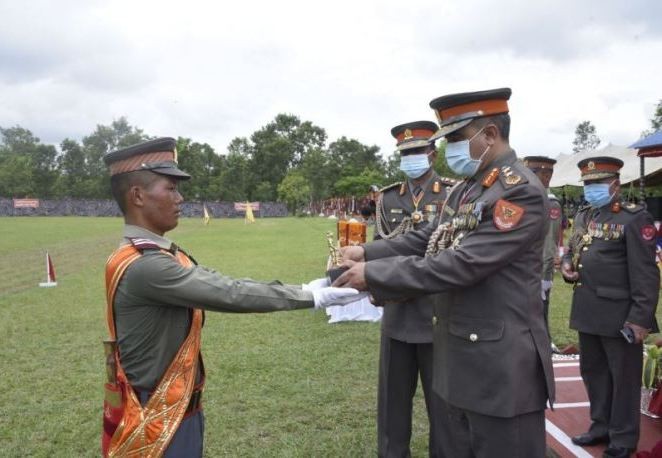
[(589, 439), (617, 452)]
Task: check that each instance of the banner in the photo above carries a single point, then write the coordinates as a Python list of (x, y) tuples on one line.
[(241, 206), (26, 203)]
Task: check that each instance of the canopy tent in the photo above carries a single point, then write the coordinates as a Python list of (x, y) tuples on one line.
[(566, 172)]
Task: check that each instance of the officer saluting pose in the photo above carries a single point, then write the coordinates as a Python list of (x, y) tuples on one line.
[(611, 261), (406, 343), (482, 264)]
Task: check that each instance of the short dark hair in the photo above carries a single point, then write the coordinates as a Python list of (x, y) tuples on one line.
[(501, 121), (120, 184)]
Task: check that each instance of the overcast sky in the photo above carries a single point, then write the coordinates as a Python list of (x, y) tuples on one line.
[(215, 70)]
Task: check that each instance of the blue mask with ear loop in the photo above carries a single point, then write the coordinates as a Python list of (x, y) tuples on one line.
[(414, 165), (458, 157), (597, 194)]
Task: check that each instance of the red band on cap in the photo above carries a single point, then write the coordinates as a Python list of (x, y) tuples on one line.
[(414, 134), (488, 107), (592, 167), (135, 162)]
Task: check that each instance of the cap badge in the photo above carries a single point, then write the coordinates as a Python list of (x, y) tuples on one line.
[(408, 134), (591, 165)]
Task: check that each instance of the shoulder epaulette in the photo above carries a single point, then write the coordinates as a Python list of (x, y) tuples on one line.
[(632, 208), (390, 186), (143, 244), (510, 177)]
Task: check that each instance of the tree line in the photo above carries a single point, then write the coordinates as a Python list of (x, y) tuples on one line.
[(286, 160)]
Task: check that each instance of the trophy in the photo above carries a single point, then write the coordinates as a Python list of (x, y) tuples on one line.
[(333, 268)]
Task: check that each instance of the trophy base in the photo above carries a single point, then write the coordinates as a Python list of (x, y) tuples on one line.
[(334, 273)]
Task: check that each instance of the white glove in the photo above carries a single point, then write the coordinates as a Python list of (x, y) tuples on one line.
[(326, 297), (316, 284)]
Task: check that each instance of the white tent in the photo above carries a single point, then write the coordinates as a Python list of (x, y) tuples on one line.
[(567, 173)]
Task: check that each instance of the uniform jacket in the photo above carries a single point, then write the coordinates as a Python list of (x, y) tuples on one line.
[(618, 278), (553, 238), (491, 350), (154, 296), (410, 321)]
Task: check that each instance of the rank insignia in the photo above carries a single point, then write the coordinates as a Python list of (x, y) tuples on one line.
[(554, 213), (408, 134), (507, 215), (648, 232), (431, 208), (490, 178), (403, 189), (436, 187), (513, 179)]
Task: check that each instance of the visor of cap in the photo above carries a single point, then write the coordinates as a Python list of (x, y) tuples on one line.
[(450, 128)]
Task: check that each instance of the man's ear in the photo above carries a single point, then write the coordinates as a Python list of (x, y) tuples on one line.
[(135, 196), (491, 134)]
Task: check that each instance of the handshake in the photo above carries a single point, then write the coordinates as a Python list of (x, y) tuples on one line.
[(325, 295)]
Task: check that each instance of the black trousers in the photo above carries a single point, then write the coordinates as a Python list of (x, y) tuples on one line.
[(484, 436), (611, 369), (400, 364)]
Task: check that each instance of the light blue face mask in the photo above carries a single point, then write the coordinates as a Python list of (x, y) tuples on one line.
[(414, 165), (458, 157), (597, 194)]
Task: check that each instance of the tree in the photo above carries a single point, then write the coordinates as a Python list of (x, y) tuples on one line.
[(585, 137), (200, 161), (73, 180), (656, 121), (20, 147), (294, 191), (358, 185)]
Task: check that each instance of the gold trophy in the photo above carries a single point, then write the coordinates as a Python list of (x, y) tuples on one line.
[(333, 266)]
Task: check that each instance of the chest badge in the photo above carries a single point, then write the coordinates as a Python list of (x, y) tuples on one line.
[(507, 215)]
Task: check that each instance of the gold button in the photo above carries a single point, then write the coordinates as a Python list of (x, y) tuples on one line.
[(434, 321), (473, 337), (585, 248), (579, 283), (579, 266)]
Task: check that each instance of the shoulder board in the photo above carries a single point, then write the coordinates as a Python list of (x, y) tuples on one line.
[(143, 244), (391, 186), (632, 208), (510, 177)]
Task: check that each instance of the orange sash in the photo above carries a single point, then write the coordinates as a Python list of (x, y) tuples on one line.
[(129, 428)]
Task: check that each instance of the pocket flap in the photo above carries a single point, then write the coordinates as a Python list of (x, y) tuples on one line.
[(476, 329), (612, 293)]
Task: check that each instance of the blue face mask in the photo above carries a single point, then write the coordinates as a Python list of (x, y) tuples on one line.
[(414, 165), (597, 194), (458, 157)]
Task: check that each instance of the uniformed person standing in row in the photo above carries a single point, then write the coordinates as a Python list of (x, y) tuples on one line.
[(611, 261), (543, 167), (406, 342), (482, 264), (156, 296)]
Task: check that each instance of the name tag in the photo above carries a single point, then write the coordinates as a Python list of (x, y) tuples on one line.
[(396, 210)]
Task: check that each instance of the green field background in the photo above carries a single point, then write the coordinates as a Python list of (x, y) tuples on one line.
[(283, 384)]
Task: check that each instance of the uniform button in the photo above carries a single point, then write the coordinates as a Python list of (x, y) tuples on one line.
[(473, 337), (434, 321), (579, 283), (579, 266), (585, 248)]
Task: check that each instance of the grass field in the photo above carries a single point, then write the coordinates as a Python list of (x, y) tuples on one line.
[(284, 384)]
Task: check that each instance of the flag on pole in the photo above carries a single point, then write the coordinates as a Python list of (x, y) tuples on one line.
[(50, 273), (249, 214), (205, 215)]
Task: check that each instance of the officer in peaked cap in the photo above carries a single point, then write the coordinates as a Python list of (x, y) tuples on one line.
[(406, 341), (611, 261), (481, 268), (156, 296), (543, 167)]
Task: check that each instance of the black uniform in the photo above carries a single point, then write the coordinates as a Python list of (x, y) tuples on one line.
[(492, 359), (613, 250), (406, 341)]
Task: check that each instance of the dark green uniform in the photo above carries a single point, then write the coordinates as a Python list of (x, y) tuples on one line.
[(406, 341), (492, 358), (614, 254), (153, 300), (551, 251)]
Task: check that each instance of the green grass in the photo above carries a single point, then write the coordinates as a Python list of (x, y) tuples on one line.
[(282, 384)]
